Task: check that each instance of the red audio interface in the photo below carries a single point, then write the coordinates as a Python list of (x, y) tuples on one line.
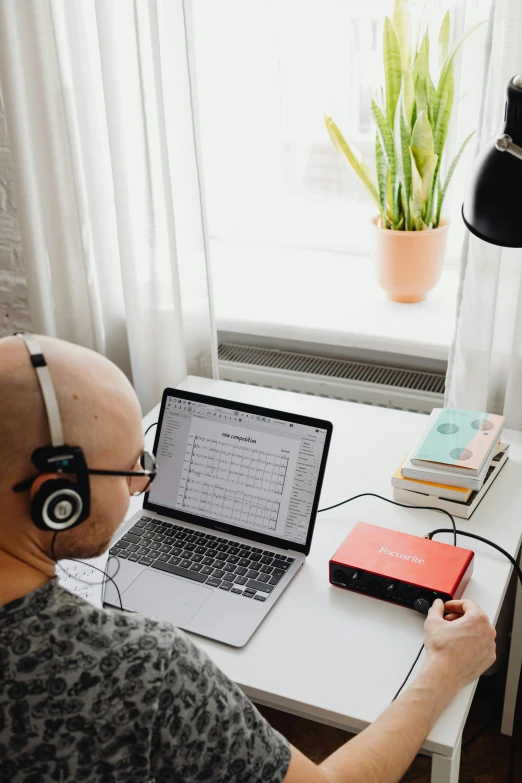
[(397, 567)]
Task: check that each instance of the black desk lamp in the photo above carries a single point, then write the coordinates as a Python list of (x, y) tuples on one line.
[(492, 208)]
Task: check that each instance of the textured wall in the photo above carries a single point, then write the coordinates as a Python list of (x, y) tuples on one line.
[(14, 315)]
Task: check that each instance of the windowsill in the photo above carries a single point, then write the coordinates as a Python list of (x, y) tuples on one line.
[(327, 298)]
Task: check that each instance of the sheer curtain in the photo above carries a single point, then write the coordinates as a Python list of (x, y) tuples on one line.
[(98, 110), (485, 366)]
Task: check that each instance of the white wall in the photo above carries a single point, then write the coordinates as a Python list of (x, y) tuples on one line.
[(14, 313)]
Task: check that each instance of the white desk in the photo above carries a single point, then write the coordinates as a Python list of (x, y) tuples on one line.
[(338, 657)]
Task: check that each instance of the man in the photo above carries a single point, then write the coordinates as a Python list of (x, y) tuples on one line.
[(94, 695)]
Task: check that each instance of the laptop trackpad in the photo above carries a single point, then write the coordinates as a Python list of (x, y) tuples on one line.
[(165, 597)]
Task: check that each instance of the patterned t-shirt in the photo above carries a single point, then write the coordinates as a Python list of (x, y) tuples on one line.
[(99, 695)]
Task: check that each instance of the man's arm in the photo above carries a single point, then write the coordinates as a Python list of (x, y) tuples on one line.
[(459, 648)]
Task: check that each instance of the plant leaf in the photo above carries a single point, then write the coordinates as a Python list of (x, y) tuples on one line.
[(444, 38), (422, 141), (341, 145), (389, 198), (409, 95), (402, 27), (420, 26), (455, 48), (421, 99), (421, 64), (429, 214), (388, 148), (392, 69), (428, 173), (446, 87), (449, 175), (386, 136), (431, 96), (441, 102), (382, 176), (368, 173), (402, 144), (421, 188), (417, 203), (425, 93), (398, 217), (443, 105)]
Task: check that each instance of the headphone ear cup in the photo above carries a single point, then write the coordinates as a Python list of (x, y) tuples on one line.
[(55, 504)]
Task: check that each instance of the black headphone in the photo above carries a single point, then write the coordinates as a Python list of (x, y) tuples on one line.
[(56, 503)]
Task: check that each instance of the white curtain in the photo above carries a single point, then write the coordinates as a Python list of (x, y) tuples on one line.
[(485, 366), (98, 108)]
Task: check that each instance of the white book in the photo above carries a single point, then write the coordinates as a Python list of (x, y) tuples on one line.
[(439, 490)]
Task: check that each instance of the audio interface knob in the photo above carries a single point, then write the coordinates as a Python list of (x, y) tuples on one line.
[(422, 605), (392, 587), (356, 576)]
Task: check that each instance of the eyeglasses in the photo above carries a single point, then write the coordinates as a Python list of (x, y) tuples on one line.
[(140, 480)]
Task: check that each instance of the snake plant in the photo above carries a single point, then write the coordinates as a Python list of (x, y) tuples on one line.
[(412, 118)]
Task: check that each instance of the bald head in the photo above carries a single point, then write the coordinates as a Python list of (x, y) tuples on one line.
[(100, 414), (98, 406)]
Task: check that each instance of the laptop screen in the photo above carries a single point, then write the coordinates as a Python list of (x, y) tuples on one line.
[(239, 468)]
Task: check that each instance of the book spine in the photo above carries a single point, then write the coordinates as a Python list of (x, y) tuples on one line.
[(418, 499), (469, 482), (457, 508), (429, 488)]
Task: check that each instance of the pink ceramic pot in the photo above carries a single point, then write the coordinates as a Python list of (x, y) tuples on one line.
[(409, 263)]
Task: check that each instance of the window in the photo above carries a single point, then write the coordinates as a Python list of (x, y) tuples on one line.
[(265, 72)]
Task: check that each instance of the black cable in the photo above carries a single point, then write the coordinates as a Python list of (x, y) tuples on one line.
[(402, 505), (106, 575), (394, 503), (484, 541), (517, 718), (453, 530), (150, 427), (409, 673)]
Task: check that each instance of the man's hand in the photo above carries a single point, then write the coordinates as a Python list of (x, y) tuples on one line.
[(460, 646), (463, 640)]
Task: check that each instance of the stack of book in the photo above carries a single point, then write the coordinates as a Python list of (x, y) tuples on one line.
[(454, 463)]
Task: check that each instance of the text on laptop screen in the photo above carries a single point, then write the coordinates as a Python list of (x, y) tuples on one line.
[(238, 468)]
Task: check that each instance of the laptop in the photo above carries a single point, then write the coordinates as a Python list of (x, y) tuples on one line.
[(229, 519)]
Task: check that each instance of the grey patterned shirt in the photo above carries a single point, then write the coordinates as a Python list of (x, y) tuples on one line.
[(94, 695)]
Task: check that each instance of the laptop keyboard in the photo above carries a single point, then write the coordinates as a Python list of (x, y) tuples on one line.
[(244, 570)]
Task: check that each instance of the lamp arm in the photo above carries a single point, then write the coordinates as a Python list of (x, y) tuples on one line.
[(505, 144)]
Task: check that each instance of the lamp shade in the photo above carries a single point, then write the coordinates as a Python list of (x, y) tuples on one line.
[(492, 208)]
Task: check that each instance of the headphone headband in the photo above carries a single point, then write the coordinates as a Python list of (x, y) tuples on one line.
[(46, 386), (58, 503)]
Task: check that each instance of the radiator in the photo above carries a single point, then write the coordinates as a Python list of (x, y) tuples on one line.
[(342, 379)]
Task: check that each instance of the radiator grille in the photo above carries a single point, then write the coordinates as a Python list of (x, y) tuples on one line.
[(342, 369)]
